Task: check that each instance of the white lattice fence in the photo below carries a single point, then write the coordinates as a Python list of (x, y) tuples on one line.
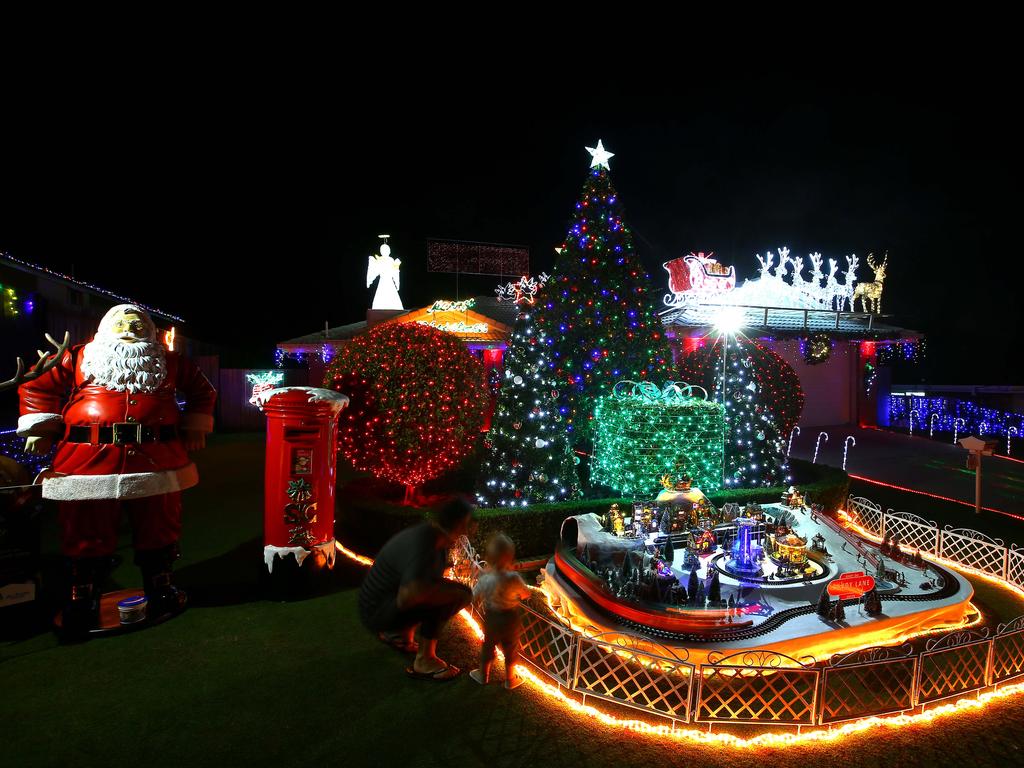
[(1015, 566), (866, 513), (952, 665), (913, 531), (622, 672), (874, 681), (1008, 651), (547, 646), (974, 549), (757, 687)]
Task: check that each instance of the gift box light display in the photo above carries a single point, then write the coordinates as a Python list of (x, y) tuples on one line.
[(643, 432)]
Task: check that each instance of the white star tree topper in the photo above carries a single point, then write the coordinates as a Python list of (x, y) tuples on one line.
[(600, 156)]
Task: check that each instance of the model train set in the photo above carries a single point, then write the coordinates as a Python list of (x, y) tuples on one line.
[(685, 573)]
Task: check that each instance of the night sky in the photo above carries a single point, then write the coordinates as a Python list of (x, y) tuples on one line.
[(176, 194)]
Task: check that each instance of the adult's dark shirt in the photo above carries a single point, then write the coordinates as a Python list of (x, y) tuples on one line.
[(410, 555)]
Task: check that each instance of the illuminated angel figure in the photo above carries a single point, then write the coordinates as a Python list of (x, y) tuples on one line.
[(385, 268)]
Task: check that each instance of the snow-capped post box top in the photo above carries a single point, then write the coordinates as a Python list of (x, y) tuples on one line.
[(299, 398)]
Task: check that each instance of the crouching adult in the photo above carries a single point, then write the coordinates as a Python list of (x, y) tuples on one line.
[(406, 589)]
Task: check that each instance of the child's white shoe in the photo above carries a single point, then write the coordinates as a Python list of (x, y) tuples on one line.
[(478, 676)]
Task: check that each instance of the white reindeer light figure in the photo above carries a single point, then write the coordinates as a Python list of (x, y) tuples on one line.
[(846, 288), (832, 291), (385, 268), (815, 289), (870, 294)]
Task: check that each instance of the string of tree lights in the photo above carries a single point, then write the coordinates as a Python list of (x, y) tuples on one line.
[(596, 315), (763, 402), (528, 458), (644, 433), (418, 399)]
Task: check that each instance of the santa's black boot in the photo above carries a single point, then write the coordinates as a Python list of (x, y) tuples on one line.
[(157, 580), (81, 611)]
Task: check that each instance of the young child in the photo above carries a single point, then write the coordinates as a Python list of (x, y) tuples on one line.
[(498, 591)]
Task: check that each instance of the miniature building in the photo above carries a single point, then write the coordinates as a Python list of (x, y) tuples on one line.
[(789, 549), (704, 542)]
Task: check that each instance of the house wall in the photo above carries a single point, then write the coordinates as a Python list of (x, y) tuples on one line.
[(830, 388)]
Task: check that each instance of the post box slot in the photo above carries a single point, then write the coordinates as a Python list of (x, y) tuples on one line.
[(300, 434)]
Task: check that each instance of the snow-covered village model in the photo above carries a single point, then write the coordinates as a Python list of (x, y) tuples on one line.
[(780, 577)]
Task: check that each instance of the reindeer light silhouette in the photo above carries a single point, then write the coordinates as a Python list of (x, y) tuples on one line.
[(870, 294), (845, 289)]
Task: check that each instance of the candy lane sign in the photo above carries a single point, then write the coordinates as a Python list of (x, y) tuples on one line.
[(852, 584)]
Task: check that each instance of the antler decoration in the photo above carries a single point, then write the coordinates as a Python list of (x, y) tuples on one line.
[(45, 362)]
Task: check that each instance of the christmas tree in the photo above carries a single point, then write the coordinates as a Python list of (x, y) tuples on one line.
[(763, 401), (872, 603), (824, 604), (528, 458), (597, 313), (715, 589), (668, 553)]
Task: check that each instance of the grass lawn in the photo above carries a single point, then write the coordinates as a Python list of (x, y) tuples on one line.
[(237, 680)]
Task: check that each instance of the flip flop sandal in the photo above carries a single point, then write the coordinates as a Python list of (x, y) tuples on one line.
[(399, 643), (443, 675)]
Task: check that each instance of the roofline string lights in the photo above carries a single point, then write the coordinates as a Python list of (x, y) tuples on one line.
[(91, 287)]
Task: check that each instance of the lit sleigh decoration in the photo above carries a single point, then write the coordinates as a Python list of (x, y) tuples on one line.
[(695, 277), (782, 282)]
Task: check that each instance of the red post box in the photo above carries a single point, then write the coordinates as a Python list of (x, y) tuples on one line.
[(302, 445)]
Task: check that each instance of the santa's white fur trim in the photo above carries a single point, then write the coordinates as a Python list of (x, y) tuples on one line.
[(39, 424), (196, 422), (135, 485)]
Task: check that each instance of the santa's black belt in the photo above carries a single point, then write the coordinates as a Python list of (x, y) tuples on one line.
[(121, 433)]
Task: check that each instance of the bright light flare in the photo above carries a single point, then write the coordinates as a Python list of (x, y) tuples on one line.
[(729, 320)]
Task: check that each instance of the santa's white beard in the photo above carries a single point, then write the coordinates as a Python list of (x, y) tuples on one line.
[(121, 365)]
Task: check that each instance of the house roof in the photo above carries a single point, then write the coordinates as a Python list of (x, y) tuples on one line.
[(338, 333), (498, 316), (468, 324), (49, 274), (781, 321)]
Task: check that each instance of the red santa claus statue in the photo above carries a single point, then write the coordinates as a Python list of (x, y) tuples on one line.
[(123, 446)]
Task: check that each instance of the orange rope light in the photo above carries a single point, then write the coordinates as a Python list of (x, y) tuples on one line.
[(762, 740), (361, 559)]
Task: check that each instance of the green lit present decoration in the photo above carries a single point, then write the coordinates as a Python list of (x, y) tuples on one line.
[(643, 432)]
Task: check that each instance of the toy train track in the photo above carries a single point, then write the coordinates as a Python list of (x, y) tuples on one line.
[(950, 587), (619, 610)]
